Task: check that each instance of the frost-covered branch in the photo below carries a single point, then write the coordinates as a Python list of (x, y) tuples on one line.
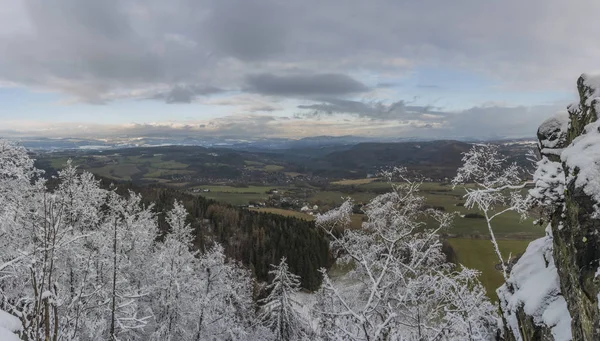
[(398, 286), (493, 186)]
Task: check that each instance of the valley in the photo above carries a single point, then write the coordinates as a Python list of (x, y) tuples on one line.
[(304, 182)]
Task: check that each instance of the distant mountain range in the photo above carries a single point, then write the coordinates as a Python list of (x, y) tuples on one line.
[(318, 157), (56, 144)]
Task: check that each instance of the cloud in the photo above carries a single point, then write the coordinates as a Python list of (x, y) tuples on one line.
[(481, 121), (518, 121), (185, 93), (245, 103), (304, 85), (247, 30), (376, 110), (320, 57), (87, 49)]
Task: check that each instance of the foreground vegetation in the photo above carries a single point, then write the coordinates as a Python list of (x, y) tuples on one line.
[(83, 259), (468, 236)]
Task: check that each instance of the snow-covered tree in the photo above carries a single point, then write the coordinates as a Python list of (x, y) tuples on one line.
[(174, 280), (278, 311), (400, 287), (83, 263), (226, 309), (493, 186), (46, 282)]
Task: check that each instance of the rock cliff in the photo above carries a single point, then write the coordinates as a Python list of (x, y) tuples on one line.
[(557, 279)]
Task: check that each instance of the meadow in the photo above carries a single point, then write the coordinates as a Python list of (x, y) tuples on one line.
[(479, 254)]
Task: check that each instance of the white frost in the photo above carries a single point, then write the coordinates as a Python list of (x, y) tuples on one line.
[(534, 286)]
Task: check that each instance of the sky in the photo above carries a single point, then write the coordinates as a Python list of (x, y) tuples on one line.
[(293, 68)]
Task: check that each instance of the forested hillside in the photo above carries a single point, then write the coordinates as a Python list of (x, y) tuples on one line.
[(256, 239)]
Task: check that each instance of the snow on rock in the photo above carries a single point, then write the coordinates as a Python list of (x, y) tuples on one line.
[(9, 324), (582, 160), (534, 287), (552, 132), (591, 84), (549, 181)]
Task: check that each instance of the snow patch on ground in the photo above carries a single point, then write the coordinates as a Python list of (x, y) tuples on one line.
[(9, 324), (534, 285), (9, 321), (6, 335)]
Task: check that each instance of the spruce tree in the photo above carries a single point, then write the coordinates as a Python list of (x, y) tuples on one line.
[(278, 312)]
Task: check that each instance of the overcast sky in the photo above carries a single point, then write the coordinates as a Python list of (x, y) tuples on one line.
[(293, 68)]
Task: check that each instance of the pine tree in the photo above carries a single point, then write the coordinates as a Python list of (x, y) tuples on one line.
[(278, 311)]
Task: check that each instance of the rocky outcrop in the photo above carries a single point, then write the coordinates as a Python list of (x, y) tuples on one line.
[(531, 301), (576, 224), (567, 186)]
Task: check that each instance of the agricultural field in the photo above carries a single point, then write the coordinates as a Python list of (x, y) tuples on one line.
[(126, 167), (335, 198), (479, 254), (237, 189), (354, 181), (255, 165), (239, 196)]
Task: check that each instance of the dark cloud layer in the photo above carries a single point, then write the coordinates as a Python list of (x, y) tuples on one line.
[(399, 110), (185, 93), (272, 53), (304, 85), (91, 49)]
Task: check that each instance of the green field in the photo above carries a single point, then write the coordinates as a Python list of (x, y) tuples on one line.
[(255, 165), (354, 181), (238, 189), (273, 168), (147, 167), (479, 254), (334, 198), (239, 196)]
